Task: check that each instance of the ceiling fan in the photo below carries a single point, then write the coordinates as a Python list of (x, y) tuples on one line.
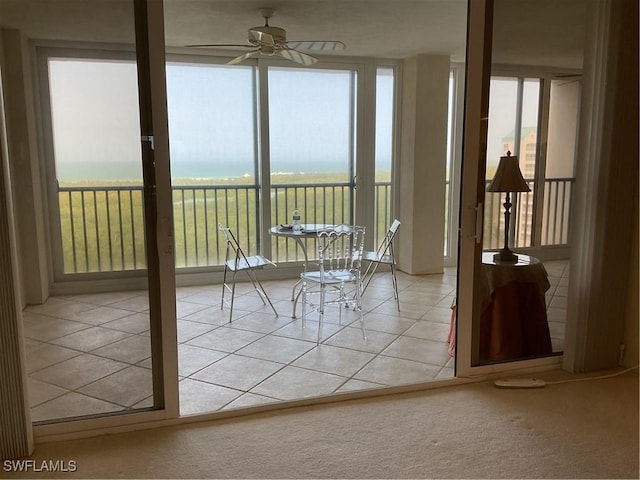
[(272, 41)]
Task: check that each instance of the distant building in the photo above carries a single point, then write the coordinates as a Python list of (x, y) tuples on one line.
[(528, 149), (527, 162)]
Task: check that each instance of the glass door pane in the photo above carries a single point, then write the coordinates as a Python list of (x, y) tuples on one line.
[(94, 117), (513, 127), (527, 155), (385, 87), (517, 311), (312, 148), (212, 126), (511, 295), (90, 343)]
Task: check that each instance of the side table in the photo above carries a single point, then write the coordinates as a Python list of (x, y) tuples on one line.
[(513, 322)]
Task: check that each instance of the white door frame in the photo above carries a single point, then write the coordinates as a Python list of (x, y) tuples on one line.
[(478, 72)]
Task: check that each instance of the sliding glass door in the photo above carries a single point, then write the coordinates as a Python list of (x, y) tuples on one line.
[(93, 351), (516, 206)]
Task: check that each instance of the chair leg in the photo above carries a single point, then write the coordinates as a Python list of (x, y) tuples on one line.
[(303, 294), (293, 290), (368, 274), (321, 313), (359, 307), (233, 295), (255, 282), (295, 303), (394, 278), (275, 312), (224, 286), (260, 289), (341, 300), (395, 286)]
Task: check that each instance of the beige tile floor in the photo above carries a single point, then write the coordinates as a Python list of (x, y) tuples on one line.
[(90, 354)]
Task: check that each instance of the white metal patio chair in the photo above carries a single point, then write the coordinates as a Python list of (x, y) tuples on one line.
[(339, 260), (383, 255), (236, 261)]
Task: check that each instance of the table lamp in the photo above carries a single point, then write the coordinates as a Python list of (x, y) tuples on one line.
[(508, 178)]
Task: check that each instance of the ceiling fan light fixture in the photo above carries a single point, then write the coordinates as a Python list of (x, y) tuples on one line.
[(268, 50), (267, 35), (269, 41)]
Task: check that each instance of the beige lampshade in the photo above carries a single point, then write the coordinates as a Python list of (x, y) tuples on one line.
[(508, 177)]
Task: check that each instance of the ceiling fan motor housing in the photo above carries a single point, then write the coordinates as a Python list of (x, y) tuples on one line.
[(267, 35)]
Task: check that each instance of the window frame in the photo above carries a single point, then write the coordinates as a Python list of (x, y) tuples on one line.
[(545, 76), (363, 181)]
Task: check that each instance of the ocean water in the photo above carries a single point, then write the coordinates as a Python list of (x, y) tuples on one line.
[(90, 171)]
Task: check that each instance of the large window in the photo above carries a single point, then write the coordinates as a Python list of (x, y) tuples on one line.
[(385, 97), (212, 131), (311, 145), (95, 126), (541, 216), (224, 168)]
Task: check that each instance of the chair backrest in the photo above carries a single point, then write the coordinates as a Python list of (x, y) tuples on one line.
[(340, 248), (232, 246), (387, 241)]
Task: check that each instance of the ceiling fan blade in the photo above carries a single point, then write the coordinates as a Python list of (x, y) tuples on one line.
[(221, 45), (298, 57), (317, 45), (242, 57)]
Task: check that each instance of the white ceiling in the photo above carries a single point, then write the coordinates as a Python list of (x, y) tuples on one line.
[(537, 32)]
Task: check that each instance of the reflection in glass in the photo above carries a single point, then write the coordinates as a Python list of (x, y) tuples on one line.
[(515, 104)]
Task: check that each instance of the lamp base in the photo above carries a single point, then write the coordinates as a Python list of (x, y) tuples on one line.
[(505, 256)]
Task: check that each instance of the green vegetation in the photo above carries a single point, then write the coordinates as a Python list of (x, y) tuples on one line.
[(102, 230), (102, 225)]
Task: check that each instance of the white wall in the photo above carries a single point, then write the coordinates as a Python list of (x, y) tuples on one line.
[(600, 316), (423, 154), (561, 140), (25, 167), (16, 436)]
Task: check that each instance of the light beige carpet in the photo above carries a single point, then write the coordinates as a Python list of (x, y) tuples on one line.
[(573, 430)]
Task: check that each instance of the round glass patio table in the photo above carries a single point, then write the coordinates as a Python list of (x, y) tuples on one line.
[(308, 230)]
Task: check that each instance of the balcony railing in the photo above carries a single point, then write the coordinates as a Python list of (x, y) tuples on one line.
[(555, 219), (102, 228)]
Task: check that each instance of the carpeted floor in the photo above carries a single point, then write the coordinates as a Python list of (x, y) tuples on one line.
[(586, 429)]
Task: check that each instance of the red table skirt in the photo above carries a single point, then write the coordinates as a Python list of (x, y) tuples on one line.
[(512, 326)]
